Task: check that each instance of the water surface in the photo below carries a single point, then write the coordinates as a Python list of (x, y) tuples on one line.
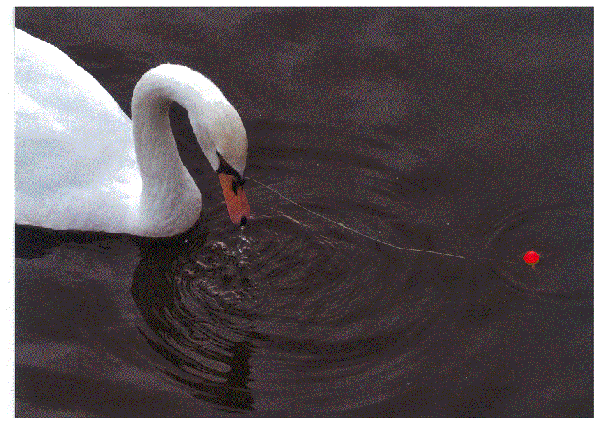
[(389, 280)]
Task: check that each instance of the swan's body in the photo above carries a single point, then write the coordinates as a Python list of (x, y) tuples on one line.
[(81, 164)]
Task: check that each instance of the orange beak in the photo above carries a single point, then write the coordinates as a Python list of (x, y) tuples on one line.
[(237, 204)]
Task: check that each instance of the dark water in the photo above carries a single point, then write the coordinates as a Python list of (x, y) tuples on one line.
[(295, 315)]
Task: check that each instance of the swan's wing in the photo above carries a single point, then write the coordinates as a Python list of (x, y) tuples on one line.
[(58, 102), (73, 143)]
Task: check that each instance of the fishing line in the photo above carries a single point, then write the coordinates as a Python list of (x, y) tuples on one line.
[(342, 225), (512, 264)]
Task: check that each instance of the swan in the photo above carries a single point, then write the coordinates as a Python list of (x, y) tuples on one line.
[(82, 164)]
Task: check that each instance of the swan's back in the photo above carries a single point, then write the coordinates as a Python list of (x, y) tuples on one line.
[(72, 144)]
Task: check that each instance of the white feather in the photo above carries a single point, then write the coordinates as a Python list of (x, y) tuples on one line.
[(81, 164)]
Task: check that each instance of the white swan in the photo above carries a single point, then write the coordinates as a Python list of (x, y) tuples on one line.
[(80, 163)]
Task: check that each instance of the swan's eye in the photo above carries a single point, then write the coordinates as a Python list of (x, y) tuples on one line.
[(225, 168)]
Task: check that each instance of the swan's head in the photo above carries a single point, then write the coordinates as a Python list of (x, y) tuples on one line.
[(222, 137)]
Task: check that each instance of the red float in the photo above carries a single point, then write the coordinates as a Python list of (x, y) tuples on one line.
[(531, 258)]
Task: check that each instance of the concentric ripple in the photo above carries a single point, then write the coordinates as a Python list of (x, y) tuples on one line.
[(272, 268), (319, 284), (280, 309), (561, 234)]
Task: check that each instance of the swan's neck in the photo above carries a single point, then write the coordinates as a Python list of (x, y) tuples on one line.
[(169, 198)]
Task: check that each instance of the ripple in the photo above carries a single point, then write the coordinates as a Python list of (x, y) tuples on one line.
[(561, 234), (280, 303)]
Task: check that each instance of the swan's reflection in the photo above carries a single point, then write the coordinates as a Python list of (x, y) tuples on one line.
[(188, 292)]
